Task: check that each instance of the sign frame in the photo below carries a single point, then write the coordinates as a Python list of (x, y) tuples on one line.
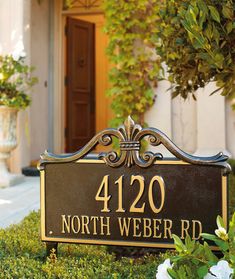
[(130, 136)]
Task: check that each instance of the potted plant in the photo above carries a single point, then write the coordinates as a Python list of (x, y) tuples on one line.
[(15, 81)]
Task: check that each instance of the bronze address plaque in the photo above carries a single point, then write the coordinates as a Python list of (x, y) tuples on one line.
[(128, 198)]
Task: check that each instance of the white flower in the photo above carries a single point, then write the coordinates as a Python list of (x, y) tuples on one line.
[(162, 270), (221, 233), (220, 271), (18, 51)]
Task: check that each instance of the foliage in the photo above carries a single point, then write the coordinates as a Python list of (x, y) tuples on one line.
[(23, 255), (15, 80), (197, 41), (195, 260), (68, 4), (131, 26), (194, 38)]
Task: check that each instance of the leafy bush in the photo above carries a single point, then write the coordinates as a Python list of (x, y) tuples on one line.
[(15, 81), (131, 26), (23, 255), (195, 260), (197, 44)]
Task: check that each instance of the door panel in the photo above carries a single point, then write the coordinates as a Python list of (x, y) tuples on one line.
[(80, 115)]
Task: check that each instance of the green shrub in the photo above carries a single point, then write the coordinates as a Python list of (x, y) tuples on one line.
[(196, 260), (23, 255)]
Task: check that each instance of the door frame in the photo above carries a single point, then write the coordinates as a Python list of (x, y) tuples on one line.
[(58, 68)]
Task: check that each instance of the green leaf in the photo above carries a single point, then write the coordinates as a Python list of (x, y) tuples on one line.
[(227, 12), (202, 6), (214, 13), (216, 34), (229, 27), (220, 222), (178, 242), (222, 244), (209, 236), (202, 271), (172, 273)]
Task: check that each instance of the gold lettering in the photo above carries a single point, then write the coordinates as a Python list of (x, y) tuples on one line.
[(103, 225), (94, 219), (85, 223), (194, 229), (147, 227), (184, 228), (65, 223), (133, 207), (120, 184), (136, 227), (167, 228), (156, 228), (105, 198), (124, 226), (78, 224), (161, 183)]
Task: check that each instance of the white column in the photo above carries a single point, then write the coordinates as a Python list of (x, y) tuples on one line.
[(211, 129), (159, 116), (184, 122), (230, 127), (39, 59), (15, 29)]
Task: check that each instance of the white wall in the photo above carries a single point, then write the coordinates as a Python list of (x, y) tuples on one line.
[(211, 129), (39, 59), (15, 30), (159, 116), (184, 122), (203, 127), (27, 22), (230, 128)]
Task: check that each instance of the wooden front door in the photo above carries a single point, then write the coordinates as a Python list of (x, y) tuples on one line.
[(80, 95)]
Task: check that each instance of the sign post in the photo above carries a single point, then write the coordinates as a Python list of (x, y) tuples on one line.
[(128, 198)]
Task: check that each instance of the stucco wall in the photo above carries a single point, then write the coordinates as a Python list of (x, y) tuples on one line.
[(14, 30), (39, 58), (26, 22), (203, 127), (230, 128)]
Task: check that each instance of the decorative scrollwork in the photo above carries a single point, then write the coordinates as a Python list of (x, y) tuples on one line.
[(130, 136)]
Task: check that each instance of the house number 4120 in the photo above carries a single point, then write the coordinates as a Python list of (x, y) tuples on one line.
[(155, 181)]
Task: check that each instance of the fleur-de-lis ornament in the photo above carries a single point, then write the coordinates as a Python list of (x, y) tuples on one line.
[(130, 144), (130, 136)]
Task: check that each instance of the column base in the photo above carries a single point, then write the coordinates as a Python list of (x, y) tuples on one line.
[(9, 179)]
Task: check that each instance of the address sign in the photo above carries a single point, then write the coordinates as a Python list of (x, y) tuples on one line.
[(128, 198)]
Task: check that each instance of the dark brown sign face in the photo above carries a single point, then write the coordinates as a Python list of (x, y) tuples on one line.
[(90, 202)]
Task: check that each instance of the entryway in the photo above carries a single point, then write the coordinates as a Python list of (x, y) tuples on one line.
[(87, 109)]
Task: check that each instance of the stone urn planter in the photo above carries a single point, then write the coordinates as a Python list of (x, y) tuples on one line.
[(15, 80), (8, 142)]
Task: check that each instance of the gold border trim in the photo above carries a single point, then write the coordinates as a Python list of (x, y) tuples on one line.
[(42, 203), (121, 243), (163, 162), (225, 200)]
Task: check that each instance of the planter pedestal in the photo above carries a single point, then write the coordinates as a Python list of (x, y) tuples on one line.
[(8, 142), (8, 179)]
